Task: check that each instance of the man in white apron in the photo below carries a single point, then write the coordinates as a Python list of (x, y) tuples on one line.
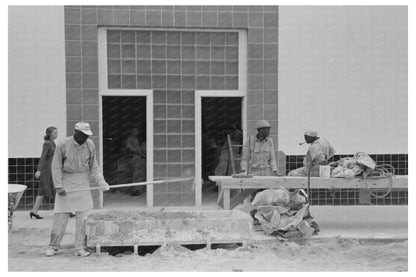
[(73, 164)]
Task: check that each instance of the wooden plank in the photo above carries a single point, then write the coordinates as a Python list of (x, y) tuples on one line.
[(226, 193), (258, 182), (364, 197), (220, 197)]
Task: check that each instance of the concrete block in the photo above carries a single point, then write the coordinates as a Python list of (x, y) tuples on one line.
[(152, 226), (100, 229), (111, 228), (126, 227), (91, 229)]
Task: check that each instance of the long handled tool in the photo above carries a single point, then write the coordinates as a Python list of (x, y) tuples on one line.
[(309, 185), (309, 178), (135, 184)]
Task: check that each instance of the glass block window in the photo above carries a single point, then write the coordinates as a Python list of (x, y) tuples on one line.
[(174, 133), (167, 60)]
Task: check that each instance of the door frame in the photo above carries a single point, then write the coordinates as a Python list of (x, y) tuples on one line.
[(104, 91), (198, 130), (240, 92)]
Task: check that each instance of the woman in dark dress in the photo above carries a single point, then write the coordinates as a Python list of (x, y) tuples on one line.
[(44, 170)]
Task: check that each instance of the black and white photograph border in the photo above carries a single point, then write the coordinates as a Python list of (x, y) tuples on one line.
[(208, 137)]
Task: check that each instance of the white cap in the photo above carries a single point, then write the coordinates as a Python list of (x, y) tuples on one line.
[(262, 124), (83, 127), (311, 133)]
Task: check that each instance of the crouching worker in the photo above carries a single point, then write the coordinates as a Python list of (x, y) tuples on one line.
[(319, 152), (73, 164), (283, 213)]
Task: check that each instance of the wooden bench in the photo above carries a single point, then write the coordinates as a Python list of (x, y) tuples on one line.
[(247, 185)]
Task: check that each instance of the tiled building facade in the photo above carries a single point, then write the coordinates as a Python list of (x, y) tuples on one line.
[(174, 52)]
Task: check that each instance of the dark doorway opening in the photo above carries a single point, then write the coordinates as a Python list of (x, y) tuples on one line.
[(124, 142), (220, 116)]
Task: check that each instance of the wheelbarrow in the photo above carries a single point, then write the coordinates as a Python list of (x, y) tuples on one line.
[(15, 193)]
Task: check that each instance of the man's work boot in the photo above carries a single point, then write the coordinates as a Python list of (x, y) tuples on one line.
[(82, 253), (50, 252)]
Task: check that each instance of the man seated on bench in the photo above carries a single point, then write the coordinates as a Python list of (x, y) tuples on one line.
[(319, 151)]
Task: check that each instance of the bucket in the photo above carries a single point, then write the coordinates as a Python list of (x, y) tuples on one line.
[(15, 193), (324, 171)]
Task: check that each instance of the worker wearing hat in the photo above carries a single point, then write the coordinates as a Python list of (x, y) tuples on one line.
[(73, 165), (263, 155), (263, 158), (319, 151)]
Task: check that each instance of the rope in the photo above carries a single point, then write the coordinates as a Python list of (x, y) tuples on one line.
[(380, 171)]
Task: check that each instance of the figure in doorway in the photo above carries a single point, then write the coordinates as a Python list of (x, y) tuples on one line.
[(209, 152), (131, 167)]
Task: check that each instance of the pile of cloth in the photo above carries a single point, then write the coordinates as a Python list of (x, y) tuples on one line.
[(350, 167), (283, 213)]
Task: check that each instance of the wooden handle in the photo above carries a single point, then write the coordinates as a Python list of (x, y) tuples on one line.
[(136, 184)]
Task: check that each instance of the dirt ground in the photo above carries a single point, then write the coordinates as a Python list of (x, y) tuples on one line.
[(27, 247), (333, 250)]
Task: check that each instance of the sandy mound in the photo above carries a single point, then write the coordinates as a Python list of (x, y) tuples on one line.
[(172, 249)]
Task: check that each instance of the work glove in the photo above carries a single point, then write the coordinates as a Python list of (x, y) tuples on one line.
[(60, 191), (104, 186)]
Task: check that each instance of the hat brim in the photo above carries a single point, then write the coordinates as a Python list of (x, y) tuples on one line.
[(88, 133), (262, 127)]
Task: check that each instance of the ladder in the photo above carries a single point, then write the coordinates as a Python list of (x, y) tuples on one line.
[(250, 146)]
